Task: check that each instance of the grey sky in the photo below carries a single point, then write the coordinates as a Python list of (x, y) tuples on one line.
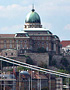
[(54, 14)]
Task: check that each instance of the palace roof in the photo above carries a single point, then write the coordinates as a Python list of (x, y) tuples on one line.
[(7, 35), (65, 43)]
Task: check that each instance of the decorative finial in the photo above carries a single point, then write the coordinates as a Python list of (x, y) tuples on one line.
[(33, 8)]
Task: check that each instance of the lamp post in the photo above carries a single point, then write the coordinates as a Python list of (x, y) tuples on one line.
[(31, 79), (49, 82), (29, 83), (40, 83), (4, 80), (1, 74), (13, 75), (19, 80)]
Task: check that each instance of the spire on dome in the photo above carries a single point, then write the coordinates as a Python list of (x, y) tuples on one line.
[(33, 8)]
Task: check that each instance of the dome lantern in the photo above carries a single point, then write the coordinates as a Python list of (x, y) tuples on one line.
[(32, 20)]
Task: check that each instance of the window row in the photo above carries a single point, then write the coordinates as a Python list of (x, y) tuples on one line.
[(17, 46), (12, 41), (41, 38)]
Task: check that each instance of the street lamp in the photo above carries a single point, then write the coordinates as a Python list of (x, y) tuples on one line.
[(19, 80), (31, 79), (4, 80), (40, 83)]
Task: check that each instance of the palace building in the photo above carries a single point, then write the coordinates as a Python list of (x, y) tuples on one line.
[(32, 37)]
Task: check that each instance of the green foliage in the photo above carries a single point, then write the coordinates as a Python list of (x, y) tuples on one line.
[(21, 68), (64, 62), (29, 61), (41, 50), (63, 71), (4, 64)]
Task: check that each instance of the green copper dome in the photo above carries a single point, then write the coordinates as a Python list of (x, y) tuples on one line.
[(32, 17)]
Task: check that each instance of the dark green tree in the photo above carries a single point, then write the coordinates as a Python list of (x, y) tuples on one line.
[(41, 50), (50, 60), (29, 61), (54, 62), (64, 62), (68, 68)]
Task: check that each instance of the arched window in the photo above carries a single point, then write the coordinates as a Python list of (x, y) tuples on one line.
[(11, 54), (5, 53)]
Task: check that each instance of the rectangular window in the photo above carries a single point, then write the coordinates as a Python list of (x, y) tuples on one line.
[(47, 38), (25, 41), (6, 54), (10, 41), (47, 48), (21, 35), (42, 43), (4, 45), (16, 41), (4, 41), (11, 54), (38, 43), (42, 38), (20, 41), (21, 46), (10, 45), (38, 38)]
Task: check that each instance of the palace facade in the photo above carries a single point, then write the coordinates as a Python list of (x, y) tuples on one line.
[(31, 38)]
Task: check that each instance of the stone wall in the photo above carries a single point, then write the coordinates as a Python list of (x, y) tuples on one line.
[(9, 53), (39, 58)]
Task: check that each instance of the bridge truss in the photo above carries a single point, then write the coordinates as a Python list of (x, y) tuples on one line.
[(35, 68)]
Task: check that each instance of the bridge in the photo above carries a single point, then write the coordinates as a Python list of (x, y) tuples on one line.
[(38, 69)]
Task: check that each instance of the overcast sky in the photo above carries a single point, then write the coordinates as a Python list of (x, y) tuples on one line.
[(54, 14)]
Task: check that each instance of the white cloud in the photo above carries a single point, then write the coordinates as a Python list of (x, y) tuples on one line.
[(67, 27), (11, 29), (54, 7), (13, 10)]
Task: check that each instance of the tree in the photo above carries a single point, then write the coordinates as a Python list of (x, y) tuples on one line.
[(29, 61), (68, 68), (43, 65), (54, 62), (50, 60), (41, 50), (64, 62)]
